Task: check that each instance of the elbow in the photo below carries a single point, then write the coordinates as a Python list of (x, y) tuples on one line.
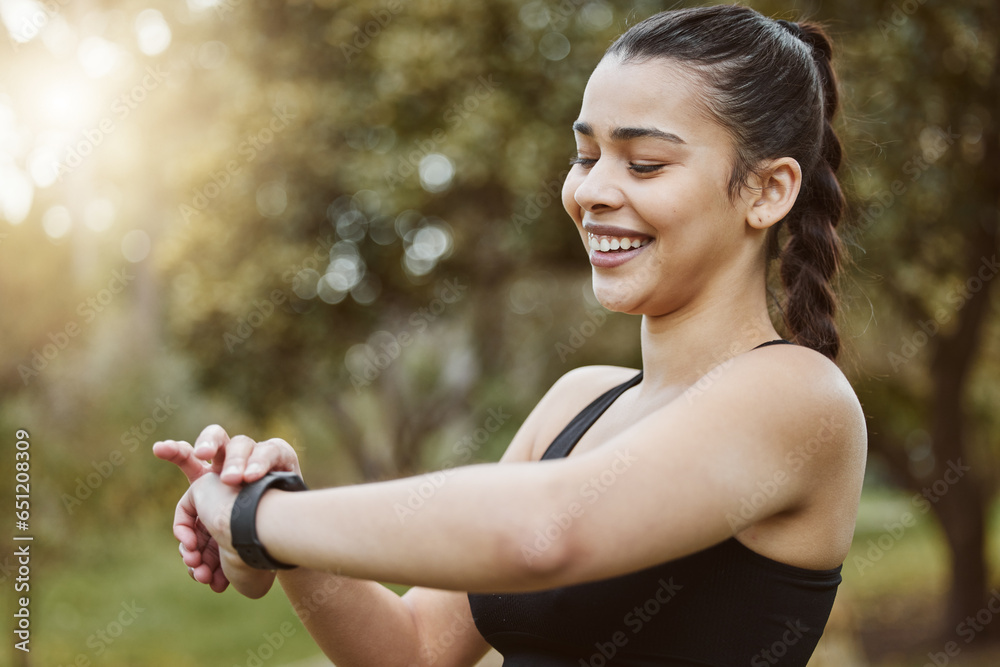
[(544, 551)]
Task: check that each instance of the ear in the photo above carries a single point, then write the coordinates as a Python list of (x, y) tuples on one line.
[(777, 187)]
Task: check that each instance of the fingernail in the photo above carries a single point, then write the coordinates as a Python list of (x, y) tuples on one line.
[(201, 445), (254, 468), (231, 470)]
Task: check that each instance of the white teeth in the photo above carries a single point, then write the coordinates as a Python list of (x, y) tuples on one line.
[(608, 243)]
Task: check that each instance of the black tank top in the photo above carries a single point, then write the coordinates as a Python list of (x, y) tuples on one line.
[(723, 606)]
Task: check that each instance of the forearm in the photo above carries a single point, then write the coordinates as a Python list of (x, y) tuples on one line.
[(355, 622), (467, 534)]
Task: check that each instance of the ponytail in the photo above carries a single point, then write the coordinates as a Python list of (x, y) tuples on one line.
[(812, 253)]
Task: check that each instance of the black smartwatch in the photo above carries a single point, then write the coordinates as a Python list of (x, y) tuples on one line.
[(243, 521)]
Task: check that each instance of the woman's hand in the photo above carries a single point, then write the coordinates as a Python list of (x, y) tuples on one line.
[(206, 509), (237, 460)]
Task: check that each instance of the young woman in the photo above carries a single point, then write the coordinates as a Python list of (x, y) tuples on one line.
[(694, 513)]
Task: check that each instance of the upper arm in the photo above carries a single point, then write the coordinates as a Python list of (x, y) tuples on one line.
[(768, 432)]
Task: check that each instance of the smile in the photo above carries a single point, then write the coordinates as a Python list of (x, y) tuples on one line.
[(615, 243), (608, 252)]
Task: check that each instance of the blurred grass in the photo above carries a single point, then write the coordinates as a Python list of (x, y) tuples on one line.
[(896, 602), (182, 623)]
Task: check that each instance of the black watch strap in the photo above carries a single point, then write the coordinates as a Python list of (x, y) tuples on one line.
[(243, 521)]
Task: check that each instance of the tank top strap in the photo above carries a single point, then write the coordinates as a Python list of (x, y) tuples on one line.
[(563, 443), (567, 439), (776, 341)]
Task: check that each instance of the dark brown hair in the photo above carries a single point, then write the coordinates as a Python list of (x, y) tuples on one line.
[(772, 87)]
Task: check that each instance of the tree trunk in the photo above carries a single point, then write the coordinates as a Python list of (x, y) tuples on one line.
[(956, 492)]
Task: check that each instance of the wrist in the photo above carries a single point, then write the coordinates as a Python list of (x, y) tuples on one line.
[(273, 514), (245, 518)]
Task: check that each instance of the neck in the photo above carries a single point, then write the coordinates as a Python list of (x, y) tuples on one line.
[(680, 347)]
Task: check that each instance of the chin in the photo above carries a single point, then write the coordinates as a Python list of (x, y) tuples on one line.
[(615, 299)]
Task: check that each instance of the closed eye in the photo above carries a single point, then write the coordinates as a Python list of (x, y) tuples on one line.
[(645, 168), (587, 162), (583, 161)]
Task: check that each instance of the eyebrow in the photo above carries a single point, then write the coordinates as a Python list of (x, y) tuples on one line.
[(629, 133)]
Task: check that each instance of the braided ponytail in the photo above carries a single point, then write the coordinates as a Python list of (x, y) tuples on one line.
[(770, 84), (812, 253)]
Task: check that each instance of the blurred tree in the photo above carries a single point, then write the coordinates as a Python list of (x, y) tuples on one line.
[(416, 181), (926, 241)]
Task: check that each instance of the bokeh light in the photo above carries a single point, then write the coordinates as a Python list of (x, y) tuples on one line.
[(152, 32), (57, 222), (436, 172)]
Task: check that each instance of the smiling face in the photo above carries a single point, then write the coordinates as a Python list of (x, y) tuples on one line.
[(648, 191)]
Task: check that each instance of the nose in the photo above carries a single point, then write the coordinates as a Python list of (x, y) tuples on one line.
[(599, 190)]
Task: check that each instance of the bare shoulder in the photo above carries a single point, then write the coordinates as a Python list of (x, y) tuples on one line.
[(569, 395), (807, 394)]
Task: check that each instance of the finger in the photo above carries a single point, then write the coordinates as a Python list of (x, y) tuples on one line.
[(210, 441), (208, 572), (185, 522), (180, 454), (273, 454), (219, 581), (202, 574), (210, 555), (212, 559), (231, 460), (190, 558)]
